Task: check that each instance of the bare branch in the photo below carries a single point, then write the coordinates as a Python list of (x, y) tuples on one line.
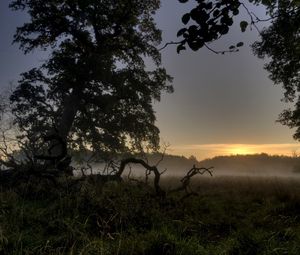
[(185, 181), (220, 52), (153, 169), (253, 23), (169, 43), (166, 146)]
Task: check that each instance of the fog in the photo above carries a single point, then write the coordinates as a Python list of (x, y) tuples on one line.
[(261, 165)]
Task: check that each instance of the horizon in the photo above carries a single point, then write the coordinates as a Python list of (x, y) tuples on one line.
[(206, 151)]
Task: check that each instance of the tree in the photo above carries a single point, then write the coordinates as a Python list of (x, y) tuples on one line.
[(279, 42), (94, 90)]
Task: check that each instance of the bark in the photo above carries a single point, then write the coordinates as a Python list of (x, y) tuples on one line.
[(69, 111), (57, 157)]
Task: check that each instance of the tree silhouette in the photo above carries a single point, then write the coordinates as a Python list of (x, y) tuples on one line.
[(94, 90), (280, 43)]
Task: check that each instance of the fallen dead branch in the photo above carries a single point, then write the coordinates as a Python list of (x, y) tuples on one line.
[(186, 180), (157, 174)]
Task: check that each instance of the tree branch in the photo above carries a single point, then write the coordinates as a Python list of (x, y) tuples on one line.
[(185, 181), (221, 51), (169, 43), (153, 169), (253, 23)]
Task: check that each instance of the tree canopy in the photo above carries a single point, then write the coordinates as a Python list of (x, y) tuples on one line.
[(94, 89), (280, 43)]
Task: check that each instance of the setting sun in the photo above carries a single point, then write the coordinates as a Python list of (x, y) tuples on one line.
[(240, 150)]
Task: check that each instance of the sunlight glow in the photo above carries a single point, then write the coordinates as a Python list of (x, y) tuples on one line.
[(202, 151), (240, 151)]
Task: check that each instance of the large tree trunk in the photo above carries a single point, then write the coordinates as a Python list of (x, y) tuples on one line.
[(69, 110), (58, 139)]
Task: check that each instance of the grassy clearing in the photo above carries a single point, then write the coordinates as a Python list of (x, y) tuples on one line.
[(230, 216)]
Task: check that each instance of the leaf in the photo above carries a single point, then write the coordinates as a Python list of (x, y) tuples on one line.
[(235, 12), (180, 48), (216, 13), (266, 2), (209, 6), (229, 22), (297, 3), (224, 30), (186, 18), (231, 47), (240, 44), (243, 25), (196, 45), (181, 32)]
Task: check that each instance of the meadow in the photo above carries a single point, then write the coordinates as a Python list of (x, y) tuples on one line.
[(229, 215)]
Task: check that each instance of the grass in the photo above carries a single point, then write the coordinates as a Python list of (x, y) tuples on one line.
[(230, 215)]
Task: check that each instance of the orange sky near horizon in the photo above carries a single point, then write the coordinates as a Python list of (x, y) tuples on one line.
[(203, 151)]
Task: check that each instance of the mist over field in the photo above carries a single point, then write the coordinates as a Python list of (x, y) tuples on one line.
[(259, 165), (255, 165)]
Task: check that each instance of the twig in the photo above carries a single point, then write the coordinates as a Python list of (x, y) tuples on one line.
[(220, 52), (169, 43), (166, 146), (253, 23)]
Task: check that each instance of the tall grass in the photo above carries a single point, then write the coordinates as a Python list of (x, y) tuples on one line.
[(230, 215)]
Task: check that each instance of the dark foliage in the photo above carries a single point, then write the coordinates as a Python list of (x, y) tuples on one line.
[(210, 20), (280, 43), (94, 89)]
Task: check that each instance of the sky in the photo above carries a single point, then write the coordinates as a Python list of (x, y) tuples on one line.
[(222, 104)]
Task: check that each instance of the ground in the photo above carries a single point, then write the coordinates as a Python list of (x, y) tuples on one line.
[(230, 215)]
